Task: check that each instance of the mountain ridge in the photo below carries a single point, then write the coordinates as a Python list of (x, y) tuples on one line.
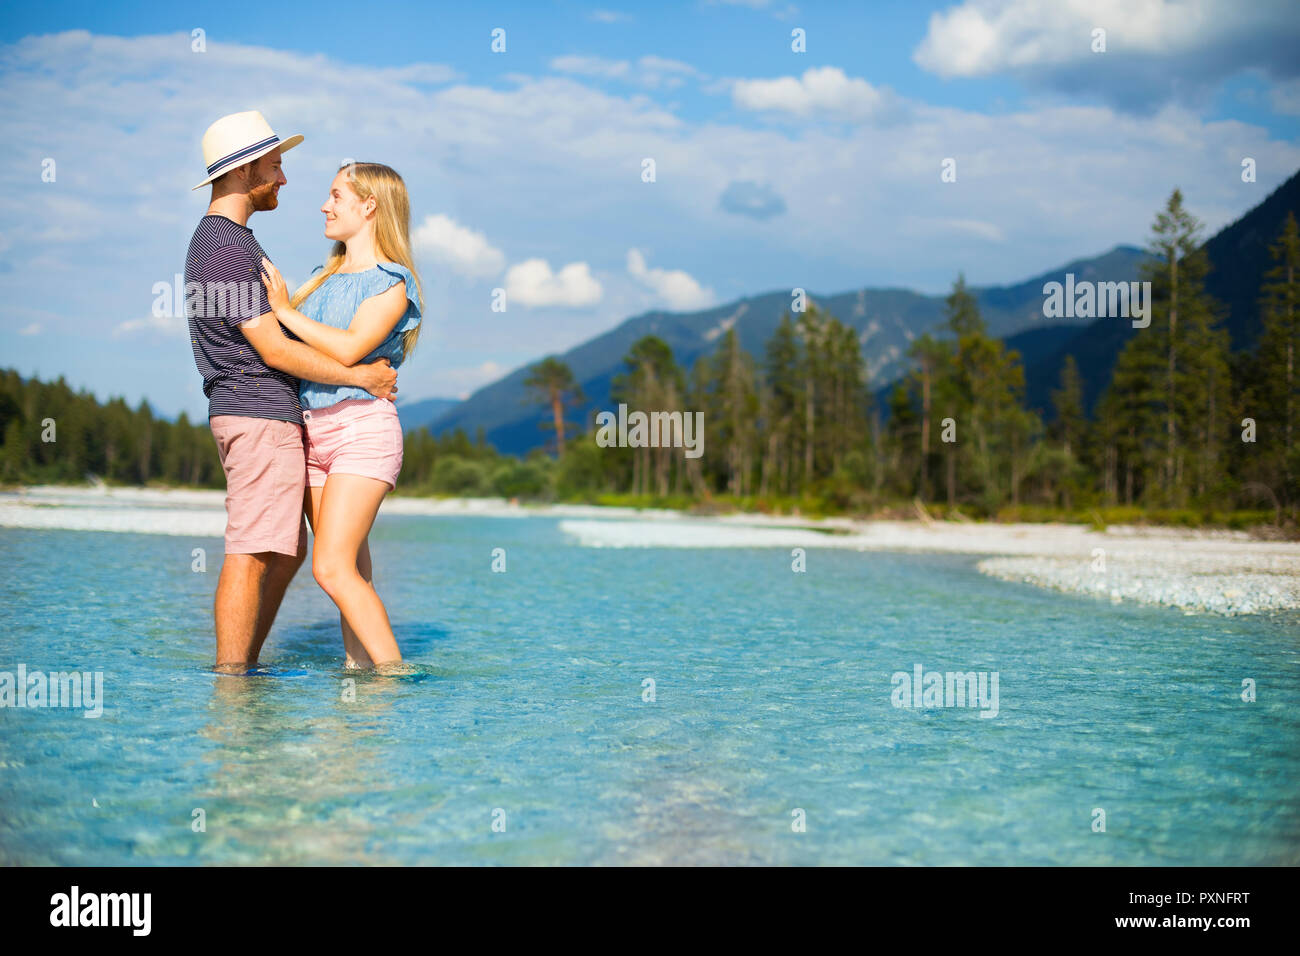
[(886, 320)]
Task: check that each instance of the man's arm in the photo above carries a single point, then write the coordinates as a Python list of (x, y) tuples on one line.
[(302, 361), (234, 266), (376, 317)]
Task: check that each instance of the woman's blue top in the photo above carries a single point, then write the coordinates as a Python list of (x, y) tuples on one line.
[(336, 300)]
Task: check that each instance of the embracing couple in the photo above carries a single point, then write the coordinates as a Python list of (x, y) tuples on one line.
[(300, 387)]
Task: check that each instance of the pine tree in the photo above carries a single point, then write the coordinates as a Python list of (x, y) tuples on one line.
[(783, 379), (1070, 426), (13, 454), (811, 328), (1067, 402), (733, 406), (652, 382), (553, 385), (899, 447), (1279, 354), (1170, 384), (933, 361)]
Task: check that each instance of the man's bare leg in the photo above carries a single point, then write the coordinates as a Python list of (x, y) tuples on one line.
[(283, 568), (237, 609)]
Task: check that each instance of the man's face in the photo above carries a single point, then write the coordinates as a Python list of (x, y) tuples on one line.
[(265, 181)]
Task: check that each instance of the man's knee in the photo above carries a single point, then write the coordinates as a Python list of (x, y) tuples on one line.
[(247, 568), (294, 561), (286, 565)]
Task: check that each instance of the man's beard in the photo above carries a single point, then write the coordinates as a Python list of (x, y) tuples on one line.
[(263, 196)]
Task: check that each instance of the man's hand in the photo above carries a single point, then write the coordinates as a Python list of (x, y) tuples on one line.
[(378, 378)]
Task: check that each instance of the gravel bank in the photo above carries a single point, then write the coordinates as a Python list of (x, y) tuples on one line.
[(1220, 572)]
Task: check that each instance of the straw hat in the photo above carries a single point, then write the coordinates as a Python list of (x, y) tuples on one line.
[(237, 139)]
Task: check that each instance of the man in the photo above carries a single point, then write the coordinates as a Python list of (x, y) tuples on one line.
[(250, 369)]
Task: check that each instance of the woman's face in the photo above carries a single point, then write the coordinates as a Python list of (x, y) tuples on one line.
[(345, 214)]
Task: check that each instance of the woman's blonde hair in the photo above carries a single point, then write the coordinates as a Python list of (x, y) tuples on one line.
[(392, 232)]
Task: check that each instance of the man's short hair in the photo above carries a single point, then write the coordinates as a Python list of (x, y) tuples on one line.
[(229, 173)]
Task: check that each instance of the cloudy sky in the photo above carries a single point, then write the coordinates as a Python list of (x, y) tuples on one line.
[(773, 168)]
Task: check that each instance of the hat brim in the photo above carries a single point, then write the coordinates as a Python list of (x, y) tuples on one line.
[(283, 146)]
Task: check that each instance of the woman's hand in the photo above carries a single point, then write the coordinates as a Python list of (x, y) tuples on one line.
[(277, 293)]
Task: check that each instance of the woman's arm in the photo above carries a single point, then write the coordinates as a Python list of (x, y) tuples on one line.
[(375, 319)]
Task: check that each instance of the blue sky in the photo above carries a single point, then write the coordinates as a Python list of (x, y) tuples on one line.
[(774, 169)]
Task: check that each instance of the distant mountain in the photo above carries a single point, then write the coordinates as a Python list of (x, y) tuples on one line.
[(424, 412), (1034, 345), (1239, 258), (886, 320)]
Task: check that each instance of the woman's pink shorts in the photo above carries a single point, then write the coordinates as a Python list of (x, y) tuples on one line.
[(358, 436)]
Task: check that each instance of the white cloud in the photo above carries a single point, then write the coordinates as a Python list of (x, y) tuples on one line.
[(1285, 98), (654, 72), (33, 329), (163, 324), (821, 90), (462, 381), (979, 37), (968, 227), (1156, 50), (431, 74), (591, 66), (651, 72), (532, 283), (465, 251), (468, 379), (676, 288), (789, 10), (550, 165)]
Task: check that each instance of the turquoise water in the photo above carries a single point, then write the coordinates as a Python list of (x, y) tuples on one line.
[(772, 694)]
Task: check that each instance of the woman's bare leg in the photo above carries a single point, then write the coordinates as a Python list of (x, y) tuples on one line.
[(352, 647), (347, 508), (356, 651)]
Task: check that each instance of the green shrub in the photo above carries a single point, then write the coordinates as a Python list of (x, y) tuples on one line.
[(527, 479), (453, 475)]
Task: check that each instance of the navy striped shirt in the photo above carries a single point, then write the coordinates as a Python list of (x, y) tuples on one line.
[(223, 288)]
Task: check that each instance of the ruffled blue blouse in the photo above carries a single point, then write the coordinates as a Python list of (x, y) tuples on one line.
[(336, 300)]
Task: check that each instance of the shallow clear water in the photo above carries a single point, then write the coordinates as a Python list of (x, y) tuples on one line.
[(772, 693)]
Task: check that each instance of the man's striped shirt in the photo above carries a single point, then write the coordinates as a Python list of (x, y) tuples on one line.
[(223, 288)]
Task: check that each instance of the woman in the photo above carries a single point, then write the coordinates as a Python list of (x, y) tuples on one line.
[(363, 305)]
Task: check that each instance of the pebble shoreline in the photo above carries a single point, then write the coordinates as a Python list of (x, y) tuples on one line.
[(1171, 583), (1219, 572)]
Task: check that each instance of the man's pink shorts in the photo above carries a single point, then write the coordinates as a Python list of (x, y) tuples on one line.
[(266, 476), (357, 436)]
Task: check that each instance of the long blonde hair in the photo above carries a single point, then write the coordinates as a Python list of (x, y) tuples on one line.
[(392, 232)]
